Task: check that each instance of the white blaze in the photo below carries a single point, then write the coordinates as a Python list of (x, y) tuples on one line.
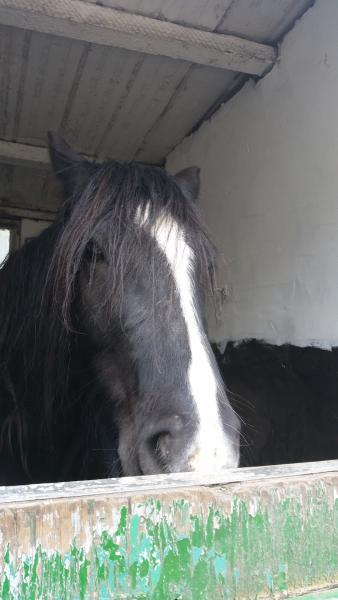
[(210, 449)]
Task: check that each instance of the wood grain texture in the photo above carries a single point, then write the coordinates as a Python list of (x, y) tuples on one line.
[(12, 153), (92, 93), (258, 20), (26, 155), (151, 483), (324, 594), (28, 189), (106, 26), (9, 212), (262, 537), (205, 14)]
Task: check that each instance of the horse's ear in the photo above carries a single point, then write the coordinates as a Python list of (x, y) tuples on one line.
[(71, 168), (189, 182)]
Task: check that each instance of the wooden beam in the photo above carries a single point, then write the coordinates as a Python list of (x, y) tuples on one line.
[(12, 153), (25, 155), (261, 538), (151, 483), (327, 593), (10, 212), (110, 27)]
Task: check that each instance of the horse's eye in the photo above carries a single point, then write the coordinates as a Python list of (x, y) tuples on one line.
[(94, 252)]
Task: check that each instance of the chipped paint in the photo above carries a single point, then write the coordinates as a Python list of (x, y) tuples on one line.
[(266, 541)]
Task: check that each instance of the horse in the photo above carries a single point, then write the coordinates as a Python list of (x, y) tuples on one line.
[(105, 365)]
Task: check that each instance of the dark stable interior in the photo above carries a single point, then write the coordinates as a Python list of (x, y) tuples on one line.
[(287, 398)]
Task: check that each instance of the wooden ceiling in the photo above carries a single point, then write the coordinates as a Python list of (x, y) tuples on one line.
[(124, 79)]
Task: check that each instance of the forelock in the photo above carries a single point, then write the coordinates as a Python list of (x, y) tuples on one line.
[(116, 197)]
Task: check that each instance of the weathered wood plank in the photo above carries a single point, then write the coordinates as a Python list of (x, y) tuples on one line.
[(325, 594), (25, 155), (14, 45), (204, 14), (106, 26), (12, 153), (8, 212), (150, 483), (22, 187), (100, 89), (262, 538), (147, 97), (52, 64)]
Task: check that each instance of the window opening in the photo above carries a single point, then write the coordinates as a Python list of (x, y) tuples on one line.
[(5, 241)]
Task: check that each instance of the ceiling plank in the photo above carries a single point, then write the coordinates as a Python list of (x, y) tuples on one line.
[(12, 153), (203, 14), (8, 212), (111, 27), (25, 155)]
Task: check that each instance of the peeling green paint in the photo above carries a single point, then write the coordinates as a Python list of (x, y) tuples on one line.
[(278, 547)]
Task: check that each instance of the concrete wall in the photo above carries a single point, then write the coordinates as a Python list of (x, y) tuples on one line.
[(269, 161), (32, 228)]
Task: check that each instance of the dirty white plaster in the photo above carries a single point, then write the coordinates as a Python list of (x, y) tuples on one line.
[(269, 161), (32, 228)]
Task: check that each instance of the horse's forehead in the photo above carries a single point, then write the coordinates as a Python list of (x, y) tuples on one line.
[(169, 234)]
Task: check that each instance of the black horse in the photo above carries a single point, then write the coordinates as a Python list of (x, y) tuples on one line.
[(105, 367)]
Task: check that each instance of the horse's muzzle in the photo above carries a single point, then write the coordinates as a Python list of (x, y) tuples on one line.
[(166, 446)]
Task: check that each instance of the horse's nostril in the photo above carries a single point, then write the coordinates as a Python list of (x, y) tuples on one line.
[(163, 445), (159, 443)]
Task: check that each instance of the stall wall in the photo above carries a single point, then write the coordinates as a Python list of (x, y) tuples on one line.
[(31, 228), (269, 161)]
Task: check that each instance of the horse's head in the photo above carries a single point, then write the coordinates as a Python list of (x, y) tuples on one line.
[(133, 265)]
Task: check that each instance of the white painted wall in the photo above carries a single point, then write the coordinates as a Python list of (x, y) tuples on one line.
[(4, 243), (269, 161)]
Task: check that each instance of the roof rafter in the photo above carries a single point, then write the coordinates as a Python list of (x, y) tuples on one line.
[(25, 155), (13, 153)]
